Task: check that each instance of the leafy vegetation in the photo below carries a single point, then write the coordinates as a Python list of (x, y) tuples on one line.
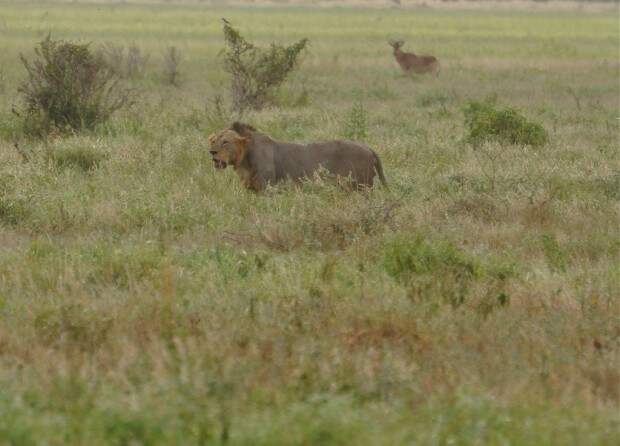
[(485, 123), (356, 123), (256, 73), (68, 89)]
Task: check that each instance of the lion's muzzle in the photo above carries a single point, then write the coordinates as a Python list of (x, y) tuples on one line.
[(219, 164)]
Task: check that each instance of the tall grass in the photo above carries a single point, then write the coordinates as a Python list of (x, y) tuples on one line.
[(146, 298)]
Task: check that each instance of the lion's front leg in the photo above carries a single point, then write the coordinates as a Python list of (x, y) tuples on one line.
[(252, 181), (247, 178)]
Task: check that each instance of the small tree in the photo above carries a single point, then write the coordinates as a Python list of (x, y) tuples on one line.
[(256, 72), (68, 89)]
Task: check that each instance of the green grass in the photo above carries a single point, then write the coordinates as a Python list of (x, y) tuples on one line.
[(146, 298)]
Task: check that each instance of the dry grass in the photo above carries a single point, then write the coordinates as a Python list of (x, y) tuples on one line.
[(147, 299)]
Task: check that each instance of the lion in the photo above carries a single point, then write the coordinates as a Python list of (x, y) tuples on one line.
[(260, 160)]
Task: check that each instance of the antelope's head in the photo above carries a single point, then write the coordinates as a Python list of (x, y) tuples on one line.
[(396, 44)]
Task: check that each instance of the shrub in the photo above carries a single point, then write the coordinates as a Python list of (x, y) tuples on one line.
[(356, 123), (128, 66), (417, 262), (114, 56), (68, 89), (135, 64), (257, 73), (407, 258), (485, 123), (172, 59)]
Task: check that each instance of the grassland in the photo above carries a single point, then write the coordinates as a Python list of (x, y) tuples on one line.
[(147, 299)]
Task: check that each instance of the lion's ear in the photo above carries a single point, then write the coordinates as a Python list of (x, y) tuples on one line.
[(243, 141), (211, 138), (237, 127), (242, 129)]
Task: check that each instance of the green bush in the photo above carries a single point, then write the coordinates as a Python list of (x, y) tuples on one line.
[(356, 124), (486, 123), (418, 262), (257, 73), (406, 258), (68, 89)]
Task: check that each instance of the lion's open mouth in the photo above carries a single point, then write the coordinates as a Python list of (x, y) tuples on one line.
[(219, 164)]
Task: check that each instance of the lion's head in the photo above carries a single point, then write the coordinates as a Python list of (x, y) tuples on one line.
[(227, 147)]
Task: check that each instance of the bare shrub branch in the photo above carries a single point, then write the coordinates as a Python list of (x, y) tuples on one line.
[(172, 60), (130, 65)]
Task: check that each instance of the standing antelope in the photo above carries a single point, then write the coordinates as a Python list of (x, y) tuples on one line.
[(409, 62)]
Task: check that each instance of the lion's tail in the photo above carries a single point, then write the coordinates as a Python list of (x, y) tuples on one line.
[(379, 170)]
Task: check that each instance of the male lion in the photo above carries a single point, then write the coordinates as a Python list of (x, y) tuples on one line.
[(260, 160)]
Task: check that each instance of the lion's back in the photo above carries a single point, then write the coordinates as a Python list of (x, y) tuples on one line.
[(339, 157)]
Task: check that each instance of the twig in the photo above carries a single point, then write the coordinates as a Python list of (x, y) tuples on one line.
[(575, 97), (22, 153)]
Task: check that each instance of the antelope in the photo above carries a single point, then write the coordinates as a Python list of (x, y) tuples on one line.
[(409, 62)]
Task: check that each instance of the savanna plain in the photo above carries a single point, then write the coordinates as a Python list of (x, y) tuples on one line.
[(146, 298)]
